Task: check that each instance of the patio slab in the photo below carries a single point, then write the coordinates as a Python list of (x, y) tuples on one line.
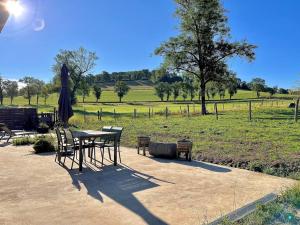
[(142, 190)]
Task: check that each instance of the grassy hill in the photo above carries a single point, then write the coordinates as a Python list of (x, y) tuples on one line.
[(138, 93)]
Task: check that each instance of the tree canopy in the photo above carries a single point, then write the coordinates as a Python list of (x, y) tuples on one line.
[(203, 46)]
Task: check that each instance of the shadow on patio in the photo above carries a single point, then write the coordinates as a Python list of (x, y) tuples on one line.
[(119, 184), (202, 165)]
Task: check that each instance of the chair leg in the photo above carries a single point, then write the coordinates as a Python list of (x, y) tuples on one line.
[(109, 153), (91, 154), (95, 155), (119, 154), (102, 153), (73, 159)]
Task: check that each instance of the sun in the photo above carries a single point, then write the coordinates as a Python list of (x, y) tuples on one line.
[(14, 8)]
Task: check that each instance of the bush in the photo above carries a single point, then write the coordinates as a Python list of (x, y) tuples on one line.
[(43, 145), (43, 128), (23, 141)]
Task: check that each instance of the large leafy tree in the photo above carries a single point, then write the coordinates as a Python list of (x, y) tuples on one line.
[(232, 85), (97, 92), (160, 90), (79, 62), (39, 88), (121, 89), (258, 85), (11, 89), (203, 46), (30, 88)]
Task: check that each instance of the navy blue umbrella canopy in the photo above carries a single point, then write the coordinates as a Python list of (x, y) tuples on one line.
[(65, 111)]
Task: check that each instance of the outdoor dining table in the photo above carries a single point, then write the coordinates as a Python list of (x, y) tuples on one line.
[(83, 135)]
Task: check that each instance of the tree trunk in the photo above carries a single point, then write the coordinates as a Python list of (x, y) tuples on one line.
[(37, 99), (45, 101), (73, 96), (29, 100), (203, 106), (11, 100), (120, 99)]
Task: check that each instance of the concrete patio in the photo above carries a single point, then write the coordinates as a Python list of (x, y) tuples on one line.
[(142, 190)]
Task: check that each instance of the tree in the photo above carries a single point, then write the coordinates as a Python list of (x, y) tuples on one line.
[(211, 89), (84, 89), (97, 92), (272, 90), (189, 86), (121, 88), (46, 90), (203, 46), (160, 90), (1, 90), (30, 89), (11, 89), (221, 89), (176, 87), (258, 85), (39, 88), (232, 85), (167, 90), (79, 62)]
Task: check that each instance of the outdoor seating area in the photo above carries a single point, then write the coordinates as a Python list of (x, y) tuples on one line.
[(75, 144)]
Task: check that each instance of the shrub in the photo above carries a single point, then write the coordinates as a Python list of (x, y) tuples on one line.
[(43, 128), (23, 141), (44, 144)]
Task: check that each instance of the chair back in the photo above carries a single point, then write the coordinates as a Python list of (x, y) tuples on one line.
[(119, 131), (4, 128), (59, 138), (106, 128), (69, 137)]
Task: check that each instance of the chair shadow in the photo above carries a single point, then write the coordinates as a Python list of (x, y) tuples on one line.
[(119, 183), (4, 144), (193, 163)]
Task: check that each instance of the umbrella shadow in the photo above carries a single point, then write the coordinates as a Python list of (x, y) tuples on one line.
[(119, 184)]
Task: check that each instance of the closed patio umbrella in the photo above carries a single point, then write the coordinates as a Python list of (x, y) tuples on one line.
[(65, 111)]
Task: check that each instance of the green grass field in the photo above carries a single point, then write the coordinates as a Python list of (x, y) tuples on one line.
[(269, 143)]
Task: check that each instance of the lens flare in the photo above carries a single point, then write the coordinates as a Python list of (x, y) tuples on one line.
[(14, 8)]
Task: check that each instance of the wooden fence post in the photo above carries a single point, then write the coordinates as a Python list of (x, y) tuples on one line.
[(149, 112), (84, 115), (134, 113), (188, 110), (100, 114), (115, 114), (250, 111), (166, 112), (296, 110), (180, 110), (216, 111)]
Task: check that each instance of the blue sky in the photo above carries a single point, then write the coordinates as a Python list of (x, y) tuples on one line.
[(125, 33)]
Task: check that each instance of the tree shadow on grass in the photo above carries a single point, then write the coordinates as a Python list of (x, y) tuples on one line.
[(119, 184)]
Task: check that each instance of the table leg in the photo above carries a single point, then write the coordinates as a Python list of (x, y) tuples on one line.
[(115, 150), (80, 155)]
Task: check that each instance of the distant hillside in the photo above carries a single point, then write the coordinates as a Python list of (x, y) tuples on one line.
[(136, 85)]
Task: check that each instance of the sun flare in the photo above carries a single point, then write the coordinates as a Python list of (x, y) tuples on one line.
[(14, 8)]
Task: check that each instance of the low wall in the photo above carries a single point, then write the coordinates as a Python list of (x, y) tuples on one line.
[(19, 118)]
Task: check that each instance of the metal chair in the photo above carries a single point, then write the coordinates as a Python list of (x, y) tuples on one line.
[(110, 142)]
